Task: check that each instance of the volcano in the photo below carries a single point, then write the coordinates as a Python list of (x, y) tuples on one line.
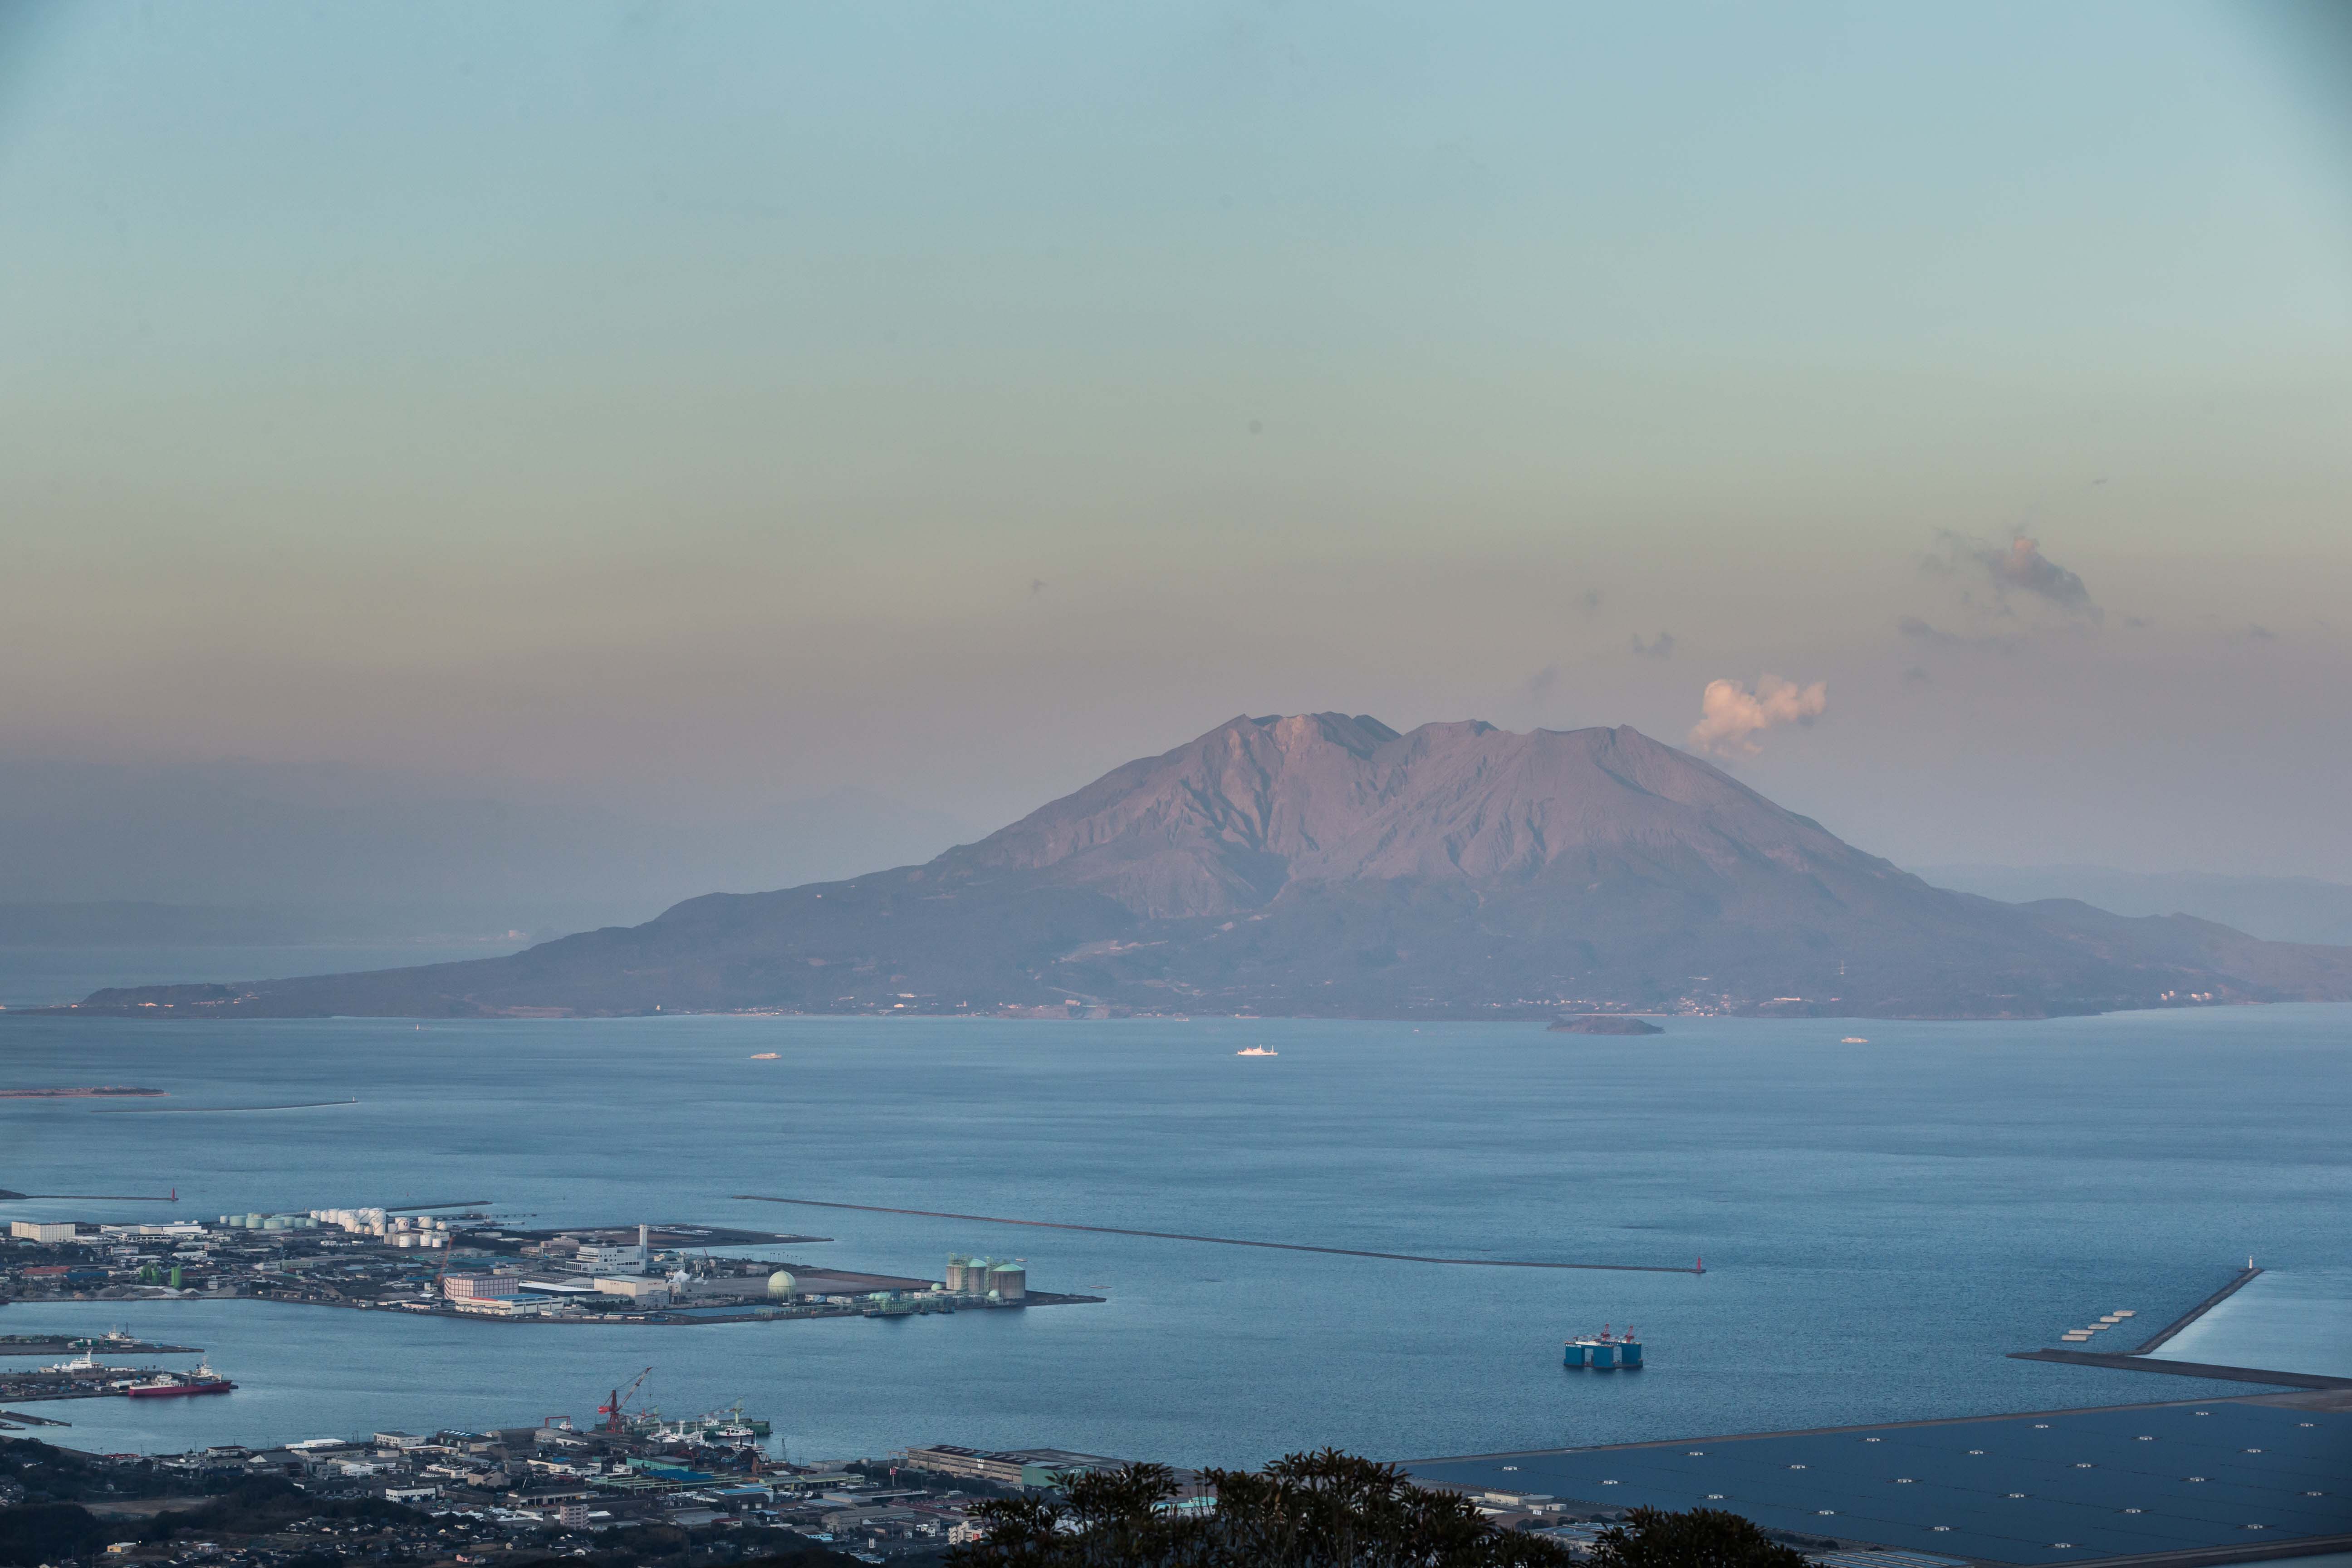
[(1323, 865)]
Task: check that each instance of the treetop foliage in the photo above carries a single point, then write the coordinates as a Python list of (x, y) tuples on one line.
[(1326, 1510)]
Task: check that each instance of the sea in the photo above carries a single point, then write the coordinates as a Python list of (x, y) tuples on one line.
[(1882, 1217)]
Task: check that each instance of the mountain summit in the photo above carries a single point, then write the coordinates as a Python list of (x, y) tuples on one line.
[(1320, 864), (1259, 806)]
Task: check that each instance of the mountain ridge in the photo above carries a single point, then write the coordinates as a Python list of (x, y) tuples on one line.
[(1326, 864)]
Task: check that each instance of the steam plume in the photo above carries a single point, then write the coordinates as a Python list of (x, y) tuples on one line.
[(1731, 715)]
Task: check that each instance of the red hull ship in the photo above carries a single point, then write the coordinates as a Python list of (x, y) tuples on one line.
[(179, 1385)]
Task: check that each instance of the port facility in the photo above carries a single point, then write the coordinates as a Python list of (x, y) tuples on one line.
[(2219, 1480)]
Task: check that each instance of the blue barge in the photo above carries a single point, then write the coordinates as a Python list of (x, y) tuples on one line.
[(1605, 1352)]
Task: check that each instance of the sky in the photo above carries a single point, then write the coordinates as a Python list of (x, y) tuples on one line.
[(1941, 414)]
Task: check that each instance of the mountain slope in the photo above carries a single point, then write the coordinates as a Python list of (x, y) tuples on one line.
[(1322, 864), (2278, 909)]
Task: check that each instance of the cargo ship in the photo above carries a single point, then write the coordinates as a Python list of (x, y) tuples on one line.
[(179, 1385), (730, 1425), (1605, 1352)]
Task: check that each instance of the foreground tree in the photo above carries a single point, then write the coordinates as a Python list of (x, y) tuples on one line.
[(1702, 1538), (1309, 1511)]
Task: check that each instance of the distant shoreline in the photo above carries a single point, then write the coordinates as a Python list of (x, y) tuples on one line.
[(198, 1013), (106, 1090)]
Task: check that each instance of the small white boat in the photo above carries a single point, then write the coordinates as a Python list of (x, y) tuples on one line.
[(1257, 1051)]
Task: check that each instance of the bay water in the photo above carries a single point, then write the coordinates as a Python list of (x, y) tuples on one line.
[(1880, 1220)]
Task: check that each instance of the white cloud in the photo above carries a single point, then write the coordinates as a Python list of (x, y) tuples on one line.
[(1731, 715)]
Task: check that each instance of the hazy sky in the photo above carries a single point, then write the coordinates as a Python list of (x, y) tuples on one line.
[(675, 408)]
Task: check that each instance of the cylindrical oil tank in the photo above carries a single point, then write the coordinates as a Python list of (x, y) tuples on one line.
[(1576, 1355), (1629, 1353), (1009, 1281), (1604, 1357), (254, 1221)]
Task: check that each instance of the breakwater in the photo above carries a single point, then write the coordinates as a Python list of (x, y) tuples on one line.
[(1697, 1268), (216, 1109)]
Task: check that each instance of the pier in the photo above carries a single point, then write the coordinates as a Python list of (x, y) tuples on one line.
[(28, 1344), (73, 1381), (2134, 1361)]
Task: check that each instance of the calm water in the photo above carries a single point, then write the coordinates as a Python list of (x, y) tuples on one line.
[(1880, 1222)]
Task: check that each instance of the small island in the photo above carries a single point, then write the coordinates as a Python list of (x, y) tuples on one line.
[(1606, 1024)]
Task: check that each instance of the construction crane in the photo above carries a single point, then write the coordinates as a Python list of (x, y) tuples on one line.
[(432, 1292), (611, 1412)]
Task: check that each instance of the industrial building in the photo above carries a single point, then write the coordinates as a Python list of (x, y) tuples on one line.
[(1004, 1278), (610, 1257), (643, 1291), (1006, 1468)]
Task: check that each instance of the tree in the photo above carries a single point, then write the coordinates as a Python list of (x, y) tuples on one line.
[(1307, 1510), (1702, 1538), (46, 1532)]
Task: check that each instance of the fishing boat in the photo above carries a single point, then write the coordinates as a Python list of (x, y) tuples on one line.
[(1257, 1051), (180, 1385)]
